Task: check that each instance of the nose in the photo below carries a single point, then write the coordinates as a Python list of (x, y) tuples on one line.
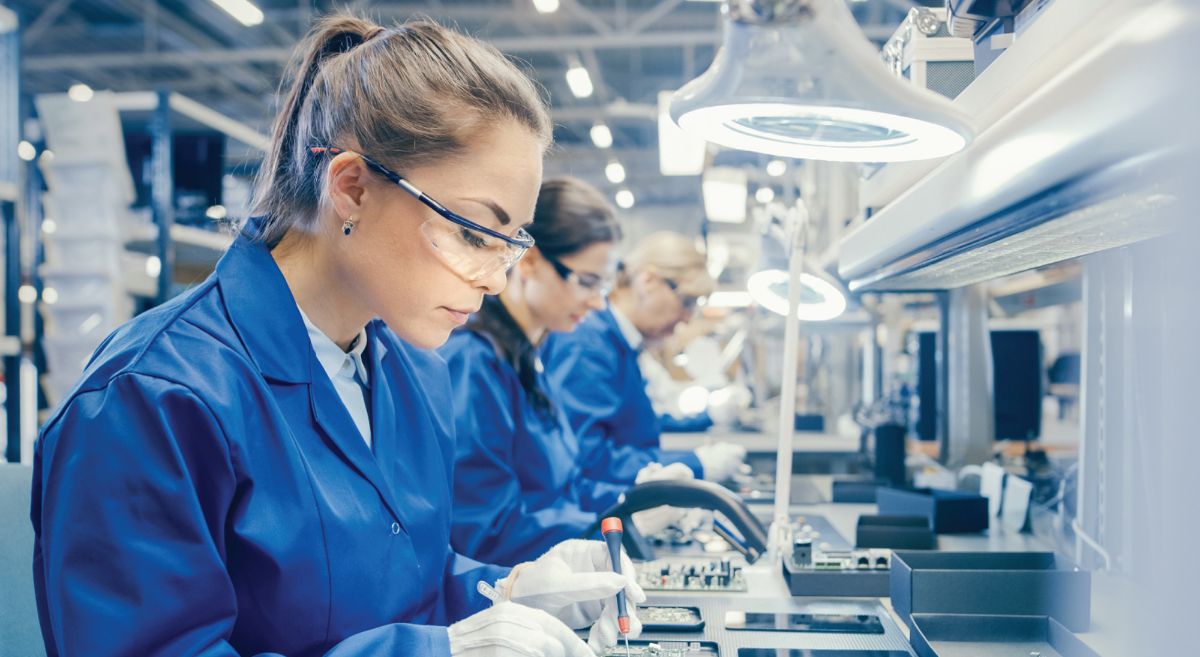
[(493, 283), (597, 301)]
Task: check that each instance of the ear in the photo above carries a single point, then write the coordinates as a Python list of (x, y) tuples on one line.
[(347, 185), (529, 261), (644, 278)]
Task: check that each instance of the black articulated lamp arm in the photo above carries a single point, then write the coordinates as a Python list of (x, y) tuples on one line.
[(686, 494)]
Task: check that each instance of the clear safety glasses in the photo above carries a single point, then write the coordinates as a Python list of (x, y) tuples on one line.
[(589, 282), (471, 250)]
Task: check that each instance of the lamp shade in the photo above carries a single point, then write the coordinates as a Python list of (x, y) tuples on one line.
[(797, 78)]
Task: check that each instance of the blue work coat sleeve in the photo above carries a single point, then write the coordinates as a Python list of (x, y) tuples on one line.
[(133, 483), (687, 424), (492, 519), (598, 496), (460, 593)]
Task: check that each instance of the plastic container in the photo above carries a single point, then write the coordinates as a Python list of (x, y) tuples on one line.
[(990, 583), (949, 512), (955, 635)]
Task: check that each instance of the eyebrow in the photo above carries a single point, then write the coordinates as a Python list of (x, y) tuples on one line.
[(501, 215)]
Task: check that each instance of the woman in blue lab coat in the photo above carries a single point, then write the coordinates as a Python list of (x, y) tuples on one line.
[(596, 366), (264, 464), (517, 484)]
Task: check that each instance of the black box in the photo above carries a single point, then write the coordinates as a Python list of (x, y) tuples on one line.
[(895, 532), (990, 583), (949, 512), (934, 635), (834, 583), (856, 491)]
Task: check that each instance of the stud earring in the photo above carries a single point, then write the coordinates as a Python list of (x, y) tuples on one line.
[(348, 226)]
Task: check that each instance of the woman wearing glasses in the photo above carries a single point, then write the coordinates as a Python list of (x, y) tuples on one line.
[(518, 488), (263, 465), (596, 366)]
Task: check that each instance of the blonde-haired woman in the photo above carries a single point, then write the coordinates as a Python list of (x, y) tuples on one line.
[(264, 464)]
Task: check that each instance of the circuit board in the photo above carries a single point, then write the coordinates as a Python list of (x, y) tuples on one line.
[(664, 649), (714, 575), (855, 560), (657, 618)]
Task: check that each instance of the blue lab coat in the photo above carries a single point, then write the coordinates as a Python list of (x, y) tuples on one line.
[(203, 490), (595, 372), (518, 489)]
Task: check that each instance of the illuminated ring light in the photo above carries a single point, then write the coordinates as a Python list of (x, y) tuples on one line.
[(831, 304), (840, 134)]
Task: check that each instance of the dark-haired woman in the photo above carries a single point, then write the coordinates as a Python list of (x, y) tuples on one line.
[(260, 466), (518, 486)]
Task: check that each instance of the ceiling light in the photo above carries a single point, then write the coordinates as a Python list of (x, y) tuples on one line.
[(46, 157), (776, 168), (80, 92), (820, 300), (27, 294), (26, 151), (244, 11), (601, 136), (50, 295), (216, 212), (49, 227), (624, 199), (724, 193), (693, 400), (764, 195), (579, 81), (153, 266), (797, 78), (679, 154), (545, 6), (615, 173)]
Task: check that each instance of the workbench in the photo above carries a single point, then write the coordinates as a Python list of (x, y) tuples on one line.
[(768, 592)]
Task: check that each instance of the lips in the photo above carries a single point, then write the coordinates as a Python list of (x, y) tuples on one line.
[(458, 316)]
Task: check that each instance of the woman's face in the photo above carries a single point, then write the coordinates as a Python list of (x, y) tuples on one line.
[(558, 303), (659, 307), (390, 261)]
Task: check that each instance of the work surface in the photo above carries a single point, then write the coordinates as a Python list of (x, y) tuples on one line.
[(767, 592)]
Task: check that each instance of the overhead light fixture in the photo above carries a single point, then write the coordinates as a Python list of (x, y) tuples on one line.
[(764, 195), (625, 199), (545, 6), (601, 136), (679, 154), (776, 168), (724, 192), (820, 300), (579, 81), (693, 400), (8, 20), (80, 92), (50, 295), (797, 78), (244, 11), (153, 266), (26, 151), (615, 172), (27, 294), (216, 212), (49, 227)]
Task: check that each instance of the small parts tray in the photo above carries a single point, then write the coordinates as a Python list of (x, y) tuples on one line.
[(958, 635), (990, 583)]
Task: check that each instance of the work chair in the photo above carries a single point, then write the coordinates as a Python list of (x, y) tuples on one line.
[(20, 634)]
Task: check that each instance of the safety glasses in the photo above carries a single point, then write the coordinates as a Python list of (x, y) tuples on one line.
[(588, 282), (689, 301), (469, 249)]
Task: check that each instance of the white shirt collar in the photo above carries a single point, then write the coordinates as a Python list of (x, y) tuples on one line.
[(333, 360), (628, 330)]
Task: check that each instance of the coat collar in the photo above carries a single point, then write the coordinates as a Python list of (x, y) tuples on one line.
[(264, 312)]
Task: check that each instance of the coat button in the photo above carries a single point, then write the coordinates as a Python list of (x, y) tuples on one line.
[(395, 528)]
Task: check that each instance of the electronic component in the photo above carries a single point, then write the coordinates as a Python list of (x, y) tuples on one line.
[(715, 575), (785, 652), (670, 619), (791, 622), (665, 649), (856, 560)]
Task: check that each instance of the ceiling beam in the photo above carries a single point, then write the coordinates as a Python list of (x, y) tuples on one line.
[(44, 21)]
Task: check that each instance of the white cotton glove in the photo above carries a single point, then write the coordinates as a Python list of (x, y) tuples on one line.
[(720, 461), (654, 521), (511, 630), (575, 583)]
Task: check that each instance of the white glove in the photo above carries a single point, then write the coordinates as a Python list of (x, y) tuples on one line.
[(654, 521), (575, 583), (720, 461), (510, 630)]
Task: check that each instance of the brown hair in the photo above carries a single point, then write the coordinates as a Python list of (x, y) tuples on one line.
[(407, 96), (571, 215)]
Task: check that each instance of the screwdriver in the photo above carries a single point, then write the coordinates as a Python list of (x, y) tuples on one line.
[(612, 531)]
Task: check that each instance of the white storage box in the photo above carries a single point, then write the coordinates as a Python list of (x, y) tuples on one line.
[(92, 320), (83, 253), (82, 287)]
